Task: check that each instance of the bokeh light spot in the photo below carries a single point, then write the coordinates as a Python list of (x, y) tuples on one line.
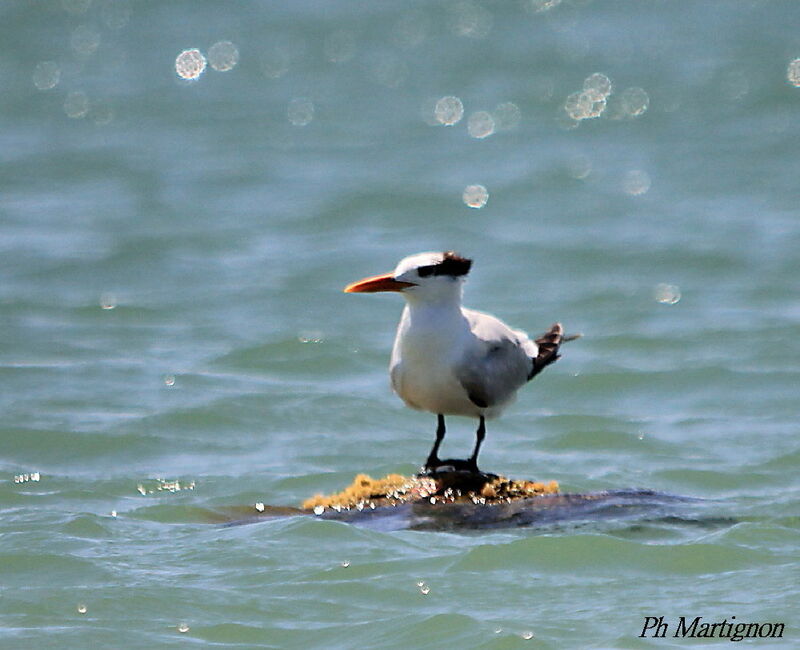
[(76, 7), (411, 29), (275, 63), (470, 20), (84, 40), (480, 125), (475, 196), (793, 73), (667, 294), (539, 6), (579, 167), (340, 46), (584, 105), (190, 64), (449, 110), (102, 113), (506, 116), (390, 71), (634, 101), (300, 111), (46, 75), (116, 13), (76, 105), (636, 182), (597, 86), (223, 56)]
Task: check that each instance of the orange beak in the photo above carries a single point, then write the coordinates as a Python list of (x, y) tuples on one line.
[(385, 282)]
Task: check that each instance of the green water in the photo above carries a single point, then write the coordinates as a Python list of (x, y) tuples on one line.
[(172, 255)]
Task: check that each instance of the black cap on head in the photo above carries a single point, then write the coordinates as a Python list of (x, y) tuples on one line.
[(452, 264)]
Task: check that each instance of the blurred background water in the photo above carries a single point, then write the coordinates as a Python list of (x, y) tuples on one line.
[(185, 187)]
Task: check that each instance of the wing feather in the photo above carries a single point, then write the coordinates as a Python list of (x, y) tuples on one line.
[(497, 362)]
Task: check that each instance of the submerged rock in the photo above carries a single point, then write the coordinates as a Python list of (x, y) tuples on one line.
[(445, 487), (454, 499)]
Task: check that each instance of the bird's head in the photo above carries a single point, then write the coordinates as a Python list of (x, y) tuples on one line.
[(424, 276)]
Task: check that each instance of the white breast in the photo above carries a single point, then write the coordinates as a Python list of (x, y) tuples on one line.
[(428, 349)]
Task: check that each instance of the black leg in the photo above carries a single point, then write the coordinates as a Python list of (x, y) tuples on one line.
[(479, 436), (433, 457)]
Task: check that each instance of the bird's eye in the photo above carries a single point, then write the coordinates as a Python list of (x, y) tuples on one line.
[(425, 271)]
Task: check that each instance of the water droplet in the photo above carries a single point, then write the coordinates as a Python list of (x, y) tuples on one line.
[(475, 196), (114, 513), (634, 101), (480, 125), (183, 628), (667, 294), (597, 86), (140, 489), (527, 635), (84, 40), (82, 609), (449, 110), (223, 56), (793, 73), (108, 301), (46, 75), (421, 584), (498, 630), (346, 564), (339, 46), (169, 380), (506, 116), (76, 105), (300, 111), (424, 590), (640, 435), (636, 182), (190, 64), (318, 510), (259, 506)]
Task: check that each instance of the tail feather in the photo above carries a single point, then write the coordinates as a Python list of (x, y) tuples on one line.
[(549, 344)]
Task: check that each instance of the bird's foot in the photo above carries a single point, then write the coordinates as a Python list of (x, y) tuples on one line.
[(435, 466)]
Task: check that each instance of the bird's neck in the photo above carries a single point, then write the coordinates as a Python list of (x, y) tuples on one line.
[(444, 303), (440, 314)]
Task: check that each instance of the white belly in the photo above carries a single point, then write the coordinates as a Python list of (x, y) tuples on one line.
[(436, 391)]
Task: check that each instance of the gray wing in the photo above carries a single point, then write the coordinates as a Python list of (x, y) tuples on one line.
[(497, 362)]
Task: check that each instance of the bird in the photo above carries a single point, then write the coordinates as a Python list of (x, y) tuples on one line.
[(450, 360)]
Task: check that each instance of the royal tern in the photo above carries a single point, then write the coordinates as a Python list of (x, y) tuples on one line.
[(450, 360)]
